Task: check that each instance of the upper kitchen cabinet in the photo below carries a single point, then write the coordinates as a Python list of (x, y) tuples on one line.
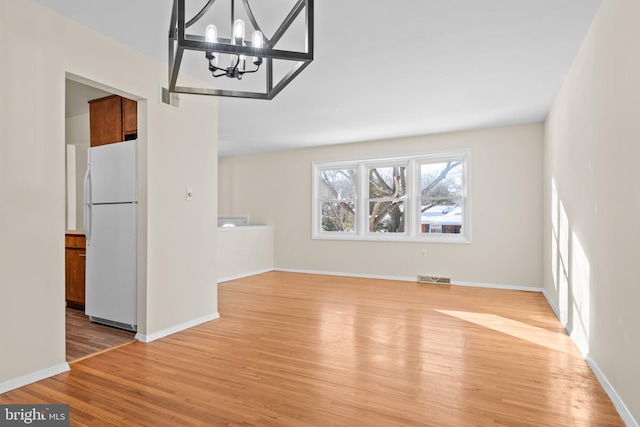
[(112, 119)]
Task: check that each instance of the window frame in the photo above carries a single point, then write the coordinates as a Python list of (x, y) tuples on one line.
[(412, 198)]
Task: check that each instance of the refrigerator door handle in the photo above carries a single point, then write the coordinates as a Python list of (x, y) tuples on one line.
[(87, 205), (87, 186), (87, 223)]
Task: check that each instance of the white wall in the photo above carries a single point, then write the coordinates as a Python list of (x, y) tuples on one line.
[(591, 229), (77, 134), (177, 239), (70, 200), (275, 188)]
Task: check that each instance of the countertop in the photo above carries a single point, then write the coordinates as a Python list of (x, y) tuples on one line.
[(74, 232), (246, 228)]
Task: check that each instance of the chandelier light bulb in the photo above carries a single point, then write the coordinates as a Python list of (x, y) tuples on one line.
[(238, 32), (257, 40), (211, 34)]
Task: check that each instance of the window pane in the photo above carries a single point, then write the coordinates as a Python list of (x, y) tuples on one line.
[(441, 216), (338, 184), (441, 179), (386, 217), (338, 216), (387, 182)]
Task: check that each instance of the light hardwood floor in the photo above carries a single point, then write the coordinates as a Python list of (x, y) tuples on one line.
[(307, 350)]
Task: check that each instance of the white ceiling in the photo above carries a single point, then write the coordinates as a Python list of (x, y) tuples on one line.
[(385, 69)]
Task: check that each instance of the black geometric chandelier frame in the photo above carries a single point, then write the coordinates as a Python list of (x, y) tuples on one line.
[(180, 41)]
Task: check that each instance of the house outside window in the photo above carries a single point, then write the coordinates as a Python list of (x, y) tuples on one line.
[(423, 197)]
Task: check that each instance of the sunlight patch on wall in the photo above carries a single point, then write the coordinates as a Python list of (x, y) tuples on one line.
[(580, 292), (571, 272), (563, 248), (554, 235), (560, 253)]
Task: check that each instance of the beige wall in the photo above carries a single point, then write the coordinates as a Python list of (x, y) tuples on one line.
[(77, 134), (591, 229), (275, 188), (177, 239), (244, 251)]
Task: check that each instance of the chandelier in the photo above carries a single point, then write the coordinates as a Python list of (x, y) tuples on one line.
[(236, 55)]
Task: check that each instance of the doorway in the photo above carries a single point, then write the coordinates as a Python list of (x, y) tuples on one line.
[(83, 337)]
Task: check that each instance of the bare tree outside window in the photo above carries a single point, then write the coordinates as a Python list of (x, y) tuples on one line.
[(338, 193), (387, 196)]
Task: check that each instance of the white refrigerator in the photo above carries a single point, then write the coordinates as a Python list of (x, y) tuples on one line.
[(110, 219)]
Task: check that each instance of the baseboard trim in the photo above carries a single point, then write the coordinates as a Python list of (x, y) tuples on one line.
[(556, 311), (622, 409), (177, 328), (33, 377), (336, 273), (412, 279), (242, 276), (552, 304), (498, 286)]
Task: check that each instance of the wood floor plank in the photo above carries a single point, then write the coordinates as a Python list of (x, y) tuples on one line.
[(85, 338), (307, 350)]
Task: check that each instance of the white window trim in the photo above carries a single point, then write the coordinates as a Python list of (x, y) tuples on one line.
[(412, 206)]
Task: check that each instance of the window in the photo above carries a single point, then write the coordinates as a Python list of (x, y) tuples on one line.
[(387, 191), (413, 198), (338, 199), (441, 201)]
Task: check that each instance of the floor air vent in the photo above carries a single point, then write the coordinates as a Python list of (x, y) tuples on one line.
[(114, 324), (435, 280)]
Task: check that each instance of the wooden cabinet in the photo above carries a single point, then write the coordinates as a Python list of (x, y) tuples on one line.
[(129, 118), (112, 119), (75, 253)]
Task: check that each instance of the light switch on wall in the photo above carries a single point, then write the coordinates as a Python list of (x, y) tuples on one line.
[(189, 193)]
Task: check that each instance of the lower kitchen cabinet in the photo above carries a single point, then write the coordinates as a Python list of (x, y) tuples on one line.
[(75, 254)]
